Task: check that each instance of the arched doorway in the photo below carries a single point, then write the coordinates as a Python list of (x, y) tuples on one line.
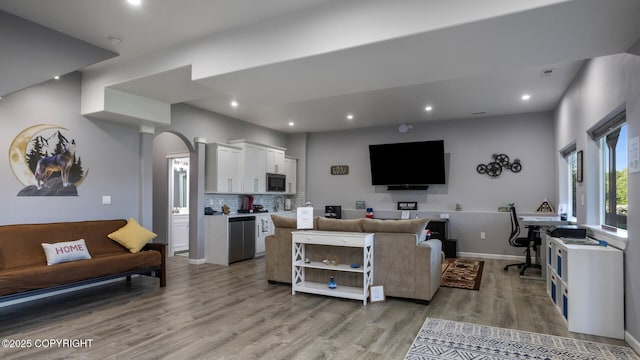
[(171, 189)]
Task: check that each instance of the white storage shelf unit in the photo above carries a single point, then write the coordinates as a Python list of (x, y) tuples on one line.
[(332, 238), (585, 282)]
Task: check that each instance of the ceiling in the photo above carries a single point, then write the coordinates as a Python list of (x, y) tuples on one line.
[(313, 62)]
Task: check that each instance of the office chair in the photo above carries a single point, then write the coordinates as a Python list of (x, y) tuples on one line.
[(532, 240)]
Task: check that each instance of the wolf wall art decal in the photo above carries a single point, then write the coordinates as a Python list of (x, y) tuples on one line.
[(46, 162)]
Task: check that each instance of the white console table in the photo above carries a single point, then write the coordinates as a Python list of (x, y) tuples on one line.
[(331, 238), (585, 282)]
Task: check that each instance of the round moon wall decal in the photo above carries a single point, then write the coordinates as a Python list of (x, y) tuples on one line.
[(46, 162)]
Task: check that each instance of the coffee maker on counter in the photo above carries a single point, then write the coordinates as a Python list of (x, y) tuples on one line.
[(247, 204), (333, 211)]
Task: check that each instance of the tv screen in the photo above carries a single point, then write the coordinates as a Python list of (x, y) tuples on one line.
[(411, 163)]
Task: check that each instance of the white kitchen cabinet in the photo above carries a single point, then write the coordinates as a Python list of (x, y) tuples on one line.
[(264, 228), (291, 166), (223, 169), (254, 166), (276, 160)]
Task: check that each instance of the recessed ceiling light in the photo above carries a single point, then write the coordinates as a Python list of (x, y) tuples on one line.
[(57, 77), (234, 103), (135, 2), (350, 116), (526, 97), (428, 108), (291, 123)]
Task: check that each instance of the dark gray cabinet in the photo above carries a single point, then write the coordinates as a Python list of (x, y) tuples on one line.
[(440, 230)]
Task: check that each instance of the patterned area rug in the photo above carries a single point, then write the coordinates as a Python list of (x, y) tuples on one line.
[(444, 339), (463, 274)]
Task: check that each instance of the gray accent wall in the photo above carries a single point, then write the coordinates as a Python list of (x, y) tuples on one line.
[(468, 142), (109, 152), (603, 87), (187, 124), (193, 122)]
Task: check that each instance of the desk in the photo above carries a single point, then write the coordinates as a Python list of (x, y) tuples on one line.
[(544, 221)]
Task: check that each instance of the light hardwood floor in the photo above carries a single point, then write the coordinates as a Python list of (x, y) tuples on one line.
[(216, 312)]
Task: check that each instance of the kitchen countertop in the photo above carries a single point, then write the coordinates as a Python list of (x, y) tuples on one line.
[(235, 214)]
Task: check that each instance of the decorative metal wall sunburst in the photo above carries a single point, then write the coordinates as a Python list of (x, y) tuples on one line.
[(500, 161)]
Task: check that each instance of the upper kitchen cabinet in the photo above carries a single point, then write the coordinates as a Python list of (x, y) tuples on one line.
[(254, 166), (275, 160), (223, 169), (291, 171)]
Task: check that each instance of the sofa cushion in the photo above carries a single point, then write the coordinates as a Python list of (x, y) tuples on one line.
[(284, 222), (414, 226), (133, 236), (325, 224), (43, 276), (65, 251)]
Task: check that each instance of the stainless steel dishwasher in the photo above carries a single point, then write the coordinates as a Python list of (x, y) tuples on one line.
[(242, 238)]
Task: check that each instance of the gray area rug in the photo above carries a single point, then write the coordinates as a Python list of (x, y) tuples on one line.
[(444, 339)]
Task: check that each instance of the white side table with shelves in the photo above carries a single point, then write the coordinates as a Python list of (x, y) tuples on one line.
[(585, 282), (331, 238)]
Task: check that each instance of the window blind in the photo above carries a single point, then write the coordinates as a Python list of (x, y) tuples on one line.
[(608, 126), (567, 150)]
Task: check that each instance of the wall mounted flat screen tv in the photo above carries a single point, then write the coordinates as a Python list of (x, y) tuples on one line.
[(411, 163)]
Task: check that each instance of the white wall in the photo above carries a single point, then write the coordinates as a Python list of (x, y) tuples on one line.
[(604, 86), (109, 152), (468, 142)]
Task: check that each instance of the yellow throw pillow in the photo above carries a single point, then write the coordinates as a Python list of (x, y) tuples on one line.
[(133, 236)]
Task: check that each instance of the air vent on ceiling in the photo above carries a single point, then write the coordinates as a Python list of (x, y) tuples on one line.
[(479, 113), (546, 72)]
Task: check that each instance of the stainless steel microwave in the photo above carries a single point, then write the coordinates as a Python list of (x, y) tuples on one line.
[(276, 182)]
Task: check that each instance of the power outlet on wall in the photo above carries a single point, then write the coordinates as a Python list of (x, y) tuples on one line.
[(483, 235)]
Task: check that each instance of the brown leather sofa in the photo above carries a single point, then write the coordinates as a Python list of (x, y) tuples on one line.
[(23, 264), (406, 266)]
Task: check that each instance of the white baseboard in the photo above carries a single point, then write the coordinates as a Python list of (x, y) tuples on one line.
[(633, 342), (491, 256), (196, 261)]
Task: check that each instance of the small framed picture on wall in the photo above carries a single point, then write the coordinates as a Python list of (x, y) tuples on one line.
[(579, 169), (407, 205)]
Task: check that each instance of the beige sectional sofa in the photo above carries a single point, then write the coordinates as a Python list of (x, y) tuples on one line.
[(406, 266)]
